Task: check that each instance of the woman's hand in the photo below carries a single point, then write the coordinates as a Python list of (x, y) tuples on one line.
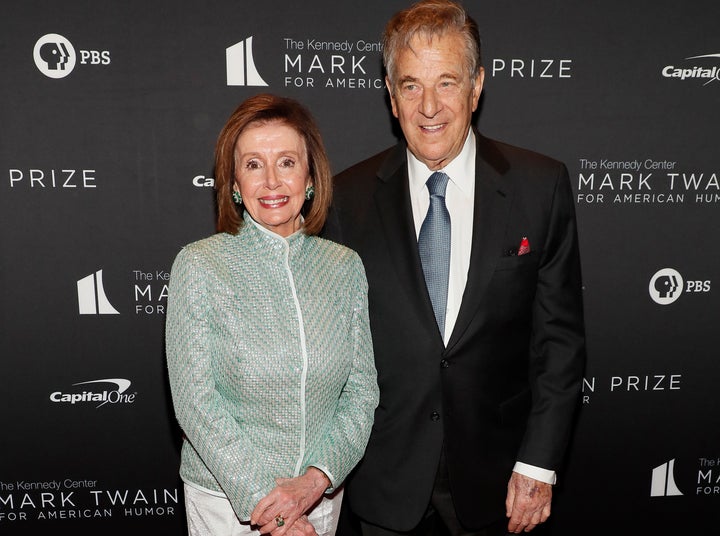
[(278, 512)]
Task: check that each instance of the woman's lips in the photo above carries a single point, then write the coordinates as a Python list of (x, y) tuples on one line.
[(273, 202)]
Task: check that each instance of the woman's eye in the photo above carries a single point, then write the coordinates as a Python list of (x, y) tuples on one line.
[(287, 163), (252, 164)]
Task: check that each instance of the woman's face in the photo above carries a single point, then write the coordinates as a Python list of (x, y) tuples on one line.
[(271, 174)]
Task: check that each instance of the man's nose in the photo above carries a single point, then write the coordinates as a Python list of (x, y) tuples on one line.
[(430, 104)]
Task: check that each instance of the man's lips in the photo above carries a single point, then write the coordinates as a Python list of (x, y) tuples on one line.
[(433, 128)]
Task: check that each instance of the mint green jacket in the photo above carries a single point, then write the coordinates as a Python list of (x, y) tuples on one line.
[(270, 361)]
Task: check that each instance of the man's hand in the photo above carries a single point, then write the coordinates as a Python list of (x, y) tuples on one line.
[(278, 512), (527, 504), (302, 527)]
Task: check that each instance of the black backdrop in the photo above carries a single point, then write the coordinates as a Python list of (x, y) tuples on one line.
[(106, 171)]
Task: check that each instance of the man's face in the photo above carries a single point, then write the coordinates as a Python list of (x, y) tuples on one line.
[(433, 97)]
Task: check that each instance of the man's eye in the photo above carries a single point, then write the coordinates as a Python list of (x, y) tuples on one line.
[(450, 87)]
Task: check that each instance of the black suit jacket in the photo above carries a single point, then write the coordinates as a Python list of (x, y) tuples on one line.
[(508, 383)]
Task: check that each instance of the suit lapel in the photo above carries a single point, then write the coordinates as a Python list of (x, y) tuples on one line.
[(395, 214), (492, 203)]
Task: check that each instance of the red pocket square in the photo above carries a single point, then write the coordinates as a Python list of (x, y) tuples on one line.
[(524, 247)]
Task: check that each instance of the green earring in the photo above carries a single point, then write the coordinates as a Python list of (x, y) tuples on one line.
[(236, 197), (309, 192)]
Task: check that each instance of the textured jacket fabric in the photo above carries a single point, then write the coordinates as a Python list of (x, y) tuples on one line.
[(270, 361)]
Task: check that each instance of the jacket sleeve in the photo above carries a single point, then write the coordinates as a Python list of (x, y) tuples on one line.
[(210, 429), (348, 433), (557, 350)]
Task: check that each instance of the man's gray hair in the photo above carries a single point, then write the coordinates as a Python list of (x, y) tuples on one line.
[(431, 18)]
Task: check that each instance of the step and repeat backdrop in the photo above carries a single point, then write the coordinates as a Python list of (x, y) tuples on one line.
[(109, 112)]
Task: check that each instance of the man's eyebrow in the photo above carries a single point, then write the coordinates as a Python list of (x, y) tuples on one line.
[(454, 76), (450, 75), (407, 78)]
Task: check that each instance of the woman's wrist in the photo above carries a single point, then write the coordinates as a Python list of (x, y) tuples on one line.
[(319, 479)]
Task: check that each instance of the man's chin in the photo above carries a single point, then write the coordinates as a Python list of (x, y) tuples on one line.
[(433, 162)]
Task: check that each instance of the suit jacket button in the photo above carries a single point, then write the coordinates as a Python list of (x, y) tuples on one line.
[(435, 416), (444, 363)]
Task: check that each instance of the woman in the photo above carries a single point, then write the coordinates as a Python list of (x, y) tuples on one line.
[(268, 342)]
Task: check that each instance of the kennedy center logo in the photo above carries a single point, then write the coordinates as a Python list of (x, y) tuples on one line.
[(241, 70), (91, 296), (663, 481)]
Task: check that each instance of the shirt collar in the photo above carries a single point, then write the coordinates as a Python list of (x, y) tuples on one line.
[(461, 170)]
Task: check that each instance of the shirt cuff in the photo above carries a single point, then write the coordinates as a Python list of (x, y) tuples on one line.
[(538, 473)]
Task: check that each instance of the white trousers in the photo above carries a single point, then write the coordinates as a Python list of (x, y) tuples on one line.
[(210, 515)]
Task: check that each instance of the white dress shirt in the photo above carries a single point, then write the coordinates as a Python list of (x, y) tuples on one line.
[(459, 199)]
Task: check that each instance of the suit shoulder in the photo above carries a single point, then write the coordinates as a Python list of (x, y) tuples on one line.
[(520, 157), (364, 171)]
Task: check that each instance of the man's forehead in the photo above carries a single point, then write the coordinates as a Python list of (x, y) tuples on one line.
[(424, 61)]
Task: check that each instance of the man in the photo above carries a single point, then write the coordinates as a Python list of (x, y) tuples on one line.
[(479, 349)]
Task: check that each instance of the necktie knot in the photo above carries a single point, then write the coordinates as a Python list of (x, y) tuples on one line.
[(437, 184)]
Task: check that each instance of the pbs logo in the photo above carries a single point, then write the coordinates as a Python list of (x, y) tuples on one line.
[(55, 56), (667, 285)]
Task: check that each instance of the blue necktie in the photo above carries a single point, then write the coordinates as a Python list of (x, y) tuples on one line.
[(434, 247)]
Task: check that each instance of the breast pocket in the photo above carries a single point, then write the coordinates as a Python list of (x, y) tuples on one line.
[(513, 287), (517, 262)]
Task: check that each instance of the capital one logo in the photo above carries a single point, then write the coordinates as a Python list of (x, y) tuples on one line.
[(666, 286), (54, 56), (241, 70), (663, 481), (91, 296), (702, 72), (92, 394)]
